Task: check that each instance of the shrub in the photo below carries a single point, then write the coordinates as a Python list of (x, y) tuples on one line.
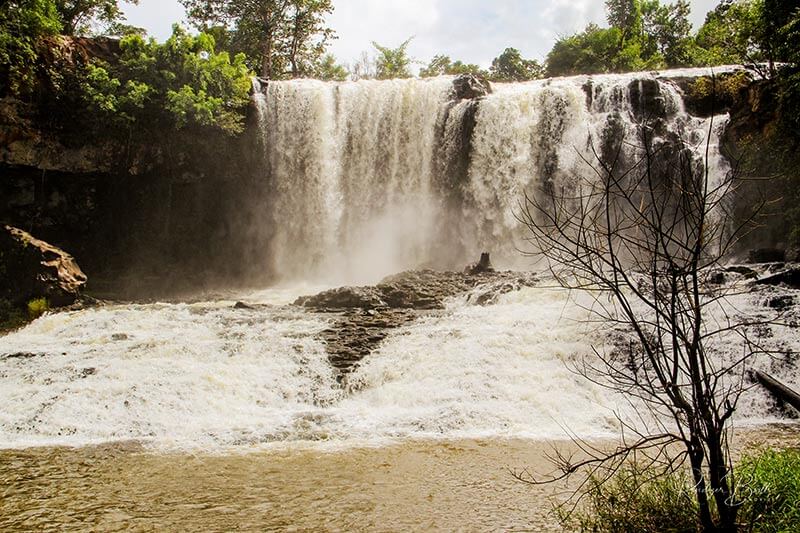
[(636, 501), (37, 307)]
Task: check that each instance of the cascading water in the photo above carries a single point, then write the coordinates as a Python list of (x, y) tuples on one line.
[(368, 178), (371, 178), (351, 172)]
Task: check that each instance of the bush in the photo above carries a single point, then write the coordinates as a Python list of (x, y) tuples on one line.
[(37, 307), (636, 500)]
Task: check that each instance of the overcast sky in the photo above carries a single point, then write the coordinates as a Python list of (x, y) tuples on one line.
[(474, 31)]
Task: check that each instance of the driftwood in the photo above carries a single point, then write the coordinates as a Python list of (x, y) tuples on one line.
[(779, 390)]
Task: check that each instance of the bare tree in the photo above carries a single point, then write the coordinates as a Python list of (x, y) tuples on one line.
[(642, 237)]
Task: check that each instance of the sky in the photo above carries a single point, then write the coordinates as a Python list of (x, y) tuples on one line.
[(474, 31)]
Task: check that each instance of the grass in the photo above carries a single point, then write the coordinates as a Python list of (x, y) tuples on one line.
[(635, 500)]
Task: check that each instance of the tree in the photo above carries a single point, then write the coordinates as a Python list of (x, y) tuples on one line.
[(642, 237), (159, 88), (284, 36), (78, 16), (442, 65), (328, 70), (731, 34), (595, 50), (392, 63), (22, 24), (510, 66), (666, 31)]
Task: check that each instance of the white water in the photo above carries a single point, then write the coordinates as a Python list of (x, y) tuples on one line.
[(353, 172), (210, 377)]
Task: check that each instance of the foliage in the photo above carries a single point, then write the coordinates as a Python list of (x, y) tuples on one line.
[(22, 24), (37, 307), (281, 37), (11, 317), (643, 34), (442, 65), (595, 50), (79, 16), (769, 486), (180, 83), (393, 63), (731, 34), (635, 499), (510, 66), (329, 70)]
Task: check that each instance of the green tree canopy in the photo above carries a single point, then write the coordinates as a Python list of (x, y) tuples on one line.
[(643, 34), (393, 63), (327, 69), (285, 37), (442, 65), (22, 24), (162, 87), (78, 16), (732, 33), (511, 66)]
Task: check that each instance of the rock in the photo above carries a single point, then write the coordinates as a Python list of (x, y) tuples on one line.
[(748, 273), (766, 255), (717, 278), (242, 305), (344, 298), (781, 302), (30, 268), (470, 86), (790, 278), (484, 265), (119, 337)]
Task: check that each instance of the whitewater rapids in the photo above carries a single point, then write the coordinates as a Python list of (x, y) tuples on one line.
[(209, 377)]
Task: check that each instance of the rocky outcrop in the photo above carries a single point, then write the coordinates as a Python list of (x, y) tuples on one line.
[(470, 86), (368, 314), (30, 268)]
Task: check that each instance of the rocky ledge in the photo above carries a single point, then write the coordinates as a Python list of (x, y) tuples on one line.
[(366, 315)]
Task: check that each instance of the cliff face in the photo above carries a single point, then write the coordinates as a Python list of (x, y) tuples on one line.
[(766, 158), (140, 219)]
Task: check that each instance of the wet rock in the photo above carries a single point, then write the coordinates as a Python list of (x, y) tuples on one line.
[(781, 302), (717, 278), (789, 278), (31, 268), (242, 305), (369, 314), (747, 272), (470, 86), (23, 355), (484, 265), (117, 337), (344, 298)]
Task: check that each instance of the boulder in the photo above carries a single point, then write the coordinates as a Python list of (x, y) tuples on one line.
[(470, 86), (789, 278), (484, 265), (31, 268)]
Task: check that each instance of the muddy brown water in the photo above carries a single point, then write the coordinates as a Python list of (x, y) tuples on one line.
[(412, 486)]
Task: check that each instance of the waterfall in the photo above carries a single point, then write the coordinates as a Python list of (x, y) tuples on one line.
[(373, 177)]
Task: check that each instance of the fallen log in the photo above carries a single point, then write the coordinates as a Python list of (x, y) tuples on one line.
[(779, 390)]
